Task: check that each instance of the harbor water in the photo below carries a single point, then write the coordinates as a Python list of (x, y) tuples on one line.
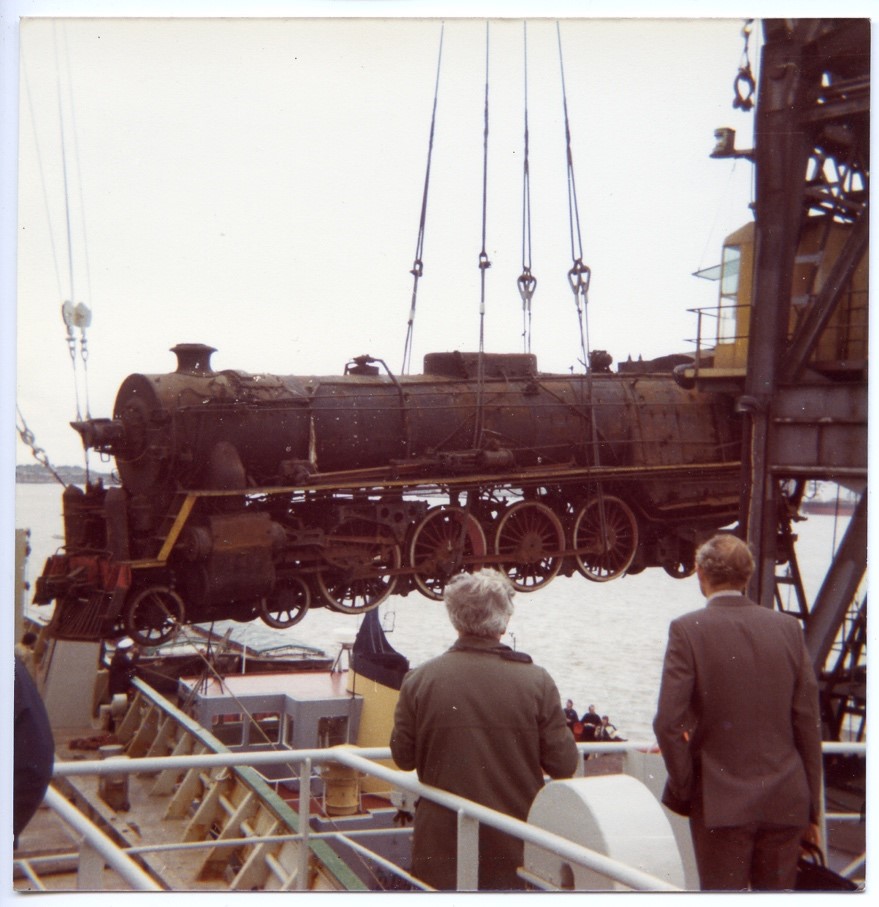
[(603, 643)]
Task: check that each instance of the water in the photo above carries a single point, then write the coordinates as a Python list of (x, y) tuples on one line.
[(603, 643)]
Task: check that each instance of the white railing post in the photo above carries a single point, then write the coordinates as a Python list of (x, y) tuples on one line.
[(304, 826), (96, 840), (468, 852), (90, 868)]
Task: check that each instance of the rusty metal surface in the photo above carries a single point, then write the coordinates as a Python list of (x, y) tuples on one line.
[(261, 496)]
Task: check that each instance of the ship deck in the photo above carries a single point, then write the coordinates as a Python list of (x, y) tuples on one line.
[(181, 852)]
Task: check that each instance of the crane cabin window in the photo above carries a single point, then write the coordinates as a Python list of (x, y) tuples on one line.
[(729, 288)]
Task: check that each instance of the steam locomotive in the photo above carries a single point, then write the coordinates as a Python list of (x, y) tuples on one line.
[(251, 495)]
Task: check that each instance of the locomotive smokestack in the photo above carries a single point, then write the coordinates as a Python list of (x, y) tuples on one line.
[(193, 358)]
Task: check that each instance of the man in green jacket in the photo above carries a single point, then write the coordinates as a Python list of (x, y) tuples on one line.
[(484, 722)]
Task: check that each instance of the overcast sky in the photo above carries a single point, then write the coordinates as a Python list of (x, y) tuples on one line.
[(256, 185)]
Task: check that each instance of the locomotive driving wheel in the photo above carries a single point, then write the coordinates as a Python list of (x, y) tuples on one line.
[(605, 538), (529, 541), (287, 604), (354, 578), (440, 544), (153, 616)]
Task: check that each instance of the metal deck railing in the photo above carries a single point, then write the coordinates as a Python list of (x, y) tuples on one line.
[(97, 850)]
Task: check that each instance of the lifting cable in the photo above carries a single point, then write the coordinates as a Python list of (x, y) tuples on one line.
[(526, 282), (484, 265), (74, 315), (578, 277), (28, 438), (418, 264), (579, 274)]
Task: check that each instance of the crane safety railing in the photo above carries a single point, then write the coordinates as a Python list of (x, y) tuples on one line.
[(97, 849), (709, 334), (727, 327)]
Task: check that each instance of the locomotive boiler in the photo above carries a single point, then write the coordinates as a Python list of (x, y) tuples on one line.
[(251, 495)]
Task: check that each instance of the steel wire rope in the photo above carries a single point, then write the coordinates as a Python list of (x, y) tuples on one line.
[(418, 263), (28, 438), (578, 278), (73, 315), (484, 263), (25, 433), (42, 172), (83, 317), (68, 308), (527, 283), (710, 238), (579, 275), (65, 180)]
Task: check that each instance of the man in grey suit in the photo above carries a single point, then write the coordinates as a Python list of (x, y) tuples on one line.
[(739, 729)]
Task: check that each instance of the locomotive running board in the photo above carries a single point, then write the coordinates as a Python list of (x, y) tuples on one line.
[(375, 481)]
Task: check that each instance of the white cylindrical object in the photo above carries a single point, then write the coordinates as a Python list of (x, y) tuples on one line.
[(614, 815)]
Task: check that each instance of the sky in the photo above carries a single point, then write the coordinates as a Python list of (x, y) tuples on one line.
[(256, 185)]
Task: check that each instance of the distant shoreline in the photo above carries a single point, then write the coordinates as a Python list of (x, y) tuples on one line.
[(36, 474), (842, 507)]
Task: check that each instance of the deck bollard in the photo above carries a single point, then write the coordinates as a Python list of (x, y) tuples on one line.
[(341, 789), (113, 789)]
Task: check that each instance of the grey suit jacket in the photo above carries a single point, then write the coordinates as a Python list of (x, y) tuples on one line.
[(738, 680)]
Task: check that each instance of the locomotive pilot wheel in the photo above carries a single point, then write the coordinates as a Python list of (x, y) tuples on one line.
[(355, 578), (605, 538), (529, 542), (680, 569), (287, 604), (154, 615), (441, 545)]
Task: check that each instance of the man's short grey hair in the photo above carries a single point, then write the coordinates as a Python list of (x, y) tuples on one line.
[(726, 560), (480, 603)]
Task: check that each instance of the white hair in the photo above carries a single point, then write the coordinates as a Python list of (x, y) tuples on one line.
[(480, 603)]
